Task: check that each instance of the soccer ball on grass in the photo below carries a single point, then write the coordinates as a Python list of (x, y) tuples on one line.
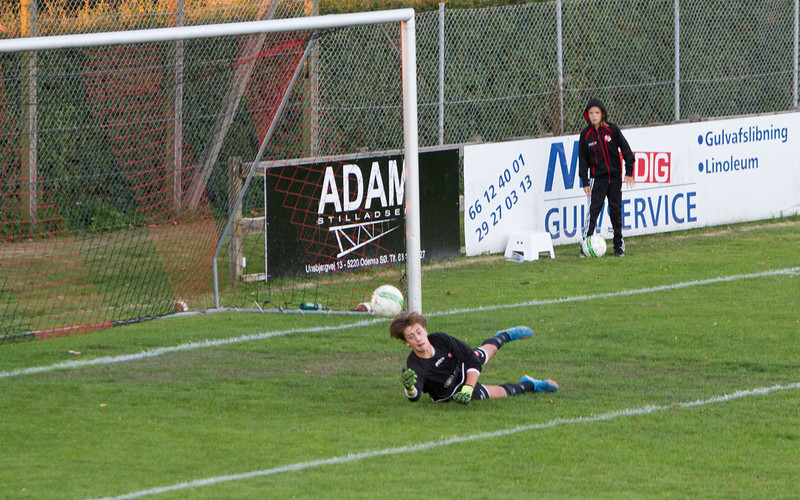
[(594, 246), (387, 301)]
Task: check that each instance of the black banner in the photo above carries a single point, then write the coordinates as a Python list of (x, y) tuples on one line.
[(349, 214)]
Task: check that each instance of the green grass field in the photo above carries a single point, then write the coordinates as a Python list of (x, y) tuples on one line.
[(679, 369)]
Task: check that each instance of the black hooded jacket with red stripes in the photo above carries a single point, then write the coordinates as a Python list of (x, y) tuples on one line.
[(599, 150)]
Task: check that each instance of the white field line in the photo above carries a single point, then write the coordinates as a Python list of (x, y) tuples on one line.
[(107, 360), (624, 293), (631, 412)]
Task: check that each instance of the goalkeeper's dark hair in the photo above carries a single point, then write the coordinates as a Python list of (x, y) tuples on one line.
[(400, 323)]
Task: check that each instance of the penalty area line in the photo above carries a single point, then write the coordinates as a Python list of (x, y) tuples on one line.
[(107, 360), (354, 457)]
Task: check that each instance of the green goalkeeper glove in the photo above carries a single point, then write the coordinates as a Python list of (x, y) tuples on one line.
[(408, 379), (465, 396)]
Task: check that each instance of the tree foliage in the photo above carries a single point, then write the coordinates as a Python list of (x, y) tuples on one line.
[(342, 6)]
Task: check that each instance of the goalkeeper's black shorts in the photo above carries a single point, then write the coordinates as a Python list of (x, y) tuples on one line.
[(480, 392)]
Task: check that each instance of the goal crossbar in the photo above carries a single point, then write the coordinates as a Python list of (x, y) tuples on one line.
[(205, 31)]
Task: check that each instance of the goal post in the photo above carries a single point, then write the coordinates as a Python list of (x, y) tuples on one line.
[(411, 140), (127, 226)]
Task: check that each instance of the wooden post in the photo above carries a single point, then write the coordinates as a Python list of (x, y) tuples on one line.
[(29, 174), (235, 255), (312, 90)]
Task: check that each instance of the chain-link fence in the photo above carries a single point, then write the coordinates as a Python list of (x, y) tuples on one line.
[(528, 70), (522, 70)]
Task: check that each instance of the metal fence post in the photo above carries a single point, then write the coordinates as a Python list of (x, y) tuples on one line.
[(441, 73), (560, 56), (314, 84), (677, 60), (796, 20)]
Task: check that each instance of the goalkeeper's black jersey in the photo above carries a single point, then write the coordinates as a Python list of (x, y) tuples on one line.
[(443, 374)]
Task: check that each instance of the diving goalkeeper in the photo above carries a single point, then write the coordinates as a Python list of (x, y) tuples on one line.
[(447, 369)]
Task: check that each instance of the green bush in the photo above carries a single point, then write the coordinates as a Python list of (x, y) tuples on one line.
[(343, 6)]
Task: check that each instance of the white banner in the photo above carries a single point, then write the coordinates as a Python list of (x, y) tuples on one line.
[(687, 175)]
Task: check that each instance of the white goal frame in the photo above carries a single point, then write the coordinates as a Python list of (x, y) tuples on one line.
[(409, 81)]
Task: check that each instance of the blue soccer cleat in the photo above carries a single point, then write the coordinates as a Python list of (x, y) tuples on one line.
[(540, 385), (517, 332)]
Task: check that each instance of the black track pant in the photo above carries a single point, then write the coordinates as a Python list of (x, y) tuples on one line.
[(602, 188)]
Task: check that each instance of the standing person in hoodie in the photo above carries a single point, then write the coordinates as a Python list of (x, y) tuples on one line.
[(600, 170)]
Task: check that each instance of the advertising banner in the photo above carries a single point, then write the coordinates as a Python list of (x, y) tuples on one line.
[(349, 214), (687, 175)]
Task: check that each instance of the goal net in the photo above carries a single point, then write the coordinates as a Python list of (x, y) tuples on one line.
[(148, 172)]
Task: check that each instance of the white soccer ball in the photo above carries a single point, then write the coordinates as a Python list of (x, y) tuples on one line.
[(594, 246), (387, 301)]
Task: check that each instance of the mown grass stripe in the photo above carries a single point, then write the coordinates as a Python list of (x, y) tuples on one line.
[(354, 457), (107, 360)]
